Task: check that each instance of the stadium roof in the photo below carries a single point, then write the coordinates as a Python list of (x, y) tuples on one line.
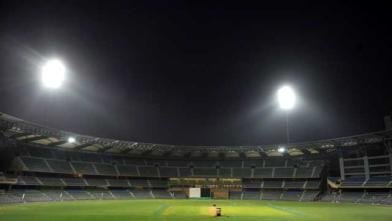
[(28, 132)]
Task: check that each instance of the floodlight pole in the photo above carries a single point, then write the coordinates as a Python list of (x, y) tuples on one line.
[(287, 128)]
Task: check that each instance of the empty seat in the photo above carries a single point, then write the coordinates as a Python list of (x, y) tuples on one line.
[(84, 168), (230, 163), (251, 184), (105, 169), (90, 157), (185, 172), (139, 182), (41, 152), (204, 172), (148, 171), (96, 182), (74, 182), (60, 166), (242, 172), (118, 182), (51, 181), (138, 162), (304, 172), (225, 172), (275, 162), (161, 194), (121, 194), (284, 172), (80, 194), (309, 195), (234, 195), (158, 183), (253, 163), (272, 184), (142, 194), (127, 170), (28, 180), (177, 163), (168, 171), (262, 173), (294, 184), (271, 194), (35, 164), (292, 195), (204, 163), (251, 195), (312, 184)]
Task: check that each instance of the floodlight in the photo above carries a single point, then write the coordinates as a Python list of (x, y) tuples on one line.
[(286, 98), (281, 149), (71, 140), (53, 73)]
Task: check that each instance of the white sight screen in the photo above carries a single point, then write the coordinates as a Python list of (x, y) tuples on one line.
[(194, 192)]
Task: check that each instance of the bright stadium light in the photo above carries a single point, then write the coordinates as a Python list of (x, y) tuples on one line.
[(53, 73), (71, 140), (281, 149), (286, 98)]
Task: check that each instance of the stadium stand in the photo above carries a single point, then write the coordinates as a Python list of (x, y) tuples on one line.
[(168, 172), (284, 172), (143, 194), (204, 172), (262, 172), (271, 194), (242, 172), (118, 182), (41, 172), (127, 170), (59, 166), (235, 195), (251, 195)]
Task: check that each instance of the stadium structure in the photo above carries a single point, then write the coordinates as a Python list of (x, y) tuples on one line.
[(40, 164)]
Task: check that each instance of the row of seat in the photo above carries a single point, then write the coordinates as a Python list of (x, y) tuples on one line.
[(383, 197), (359, 182), (158, 183), (123, 160), (291, 195), (58, 166), (97, 182), (288, 184), (18, 196)]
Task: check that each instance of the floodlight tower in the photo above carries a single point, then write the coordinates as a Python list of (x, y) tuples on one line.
[(52, 74), (286, 99)]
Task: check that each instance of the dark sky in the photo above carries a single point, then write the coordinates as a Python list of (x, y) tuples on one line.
[(199, 72)]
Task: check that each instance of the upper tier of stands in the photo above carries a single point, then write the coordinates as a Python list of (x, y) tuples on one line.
[(71, 162), (34, 164)]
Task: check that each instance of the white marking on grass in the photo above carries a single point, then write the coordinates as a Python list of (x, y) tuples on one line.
[(285, 209), (158, 211)]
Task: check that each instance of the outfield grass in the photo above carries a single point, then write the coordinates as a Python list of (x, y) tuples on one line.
[(192, 210)]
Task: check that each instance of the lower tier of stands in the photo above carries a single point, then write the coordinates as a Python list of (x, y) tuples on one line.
[(32, 195), (158, 183), (379, 197), (287, 195), (18, 196)]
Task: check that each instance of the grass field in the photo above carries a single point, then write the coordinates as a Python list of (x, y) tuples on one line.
[(192, 210)]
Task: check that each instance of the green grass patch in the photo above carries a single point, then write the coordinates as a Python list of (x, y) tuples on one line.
[(192, 210)]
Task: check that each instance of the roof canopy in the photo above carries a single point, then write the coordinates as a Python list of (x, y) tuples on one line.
[(28, 132)]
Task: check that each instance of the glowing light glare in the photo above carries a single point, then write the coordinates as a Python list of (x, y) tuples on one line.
[(53, 73), (286, 98), (71, 140), (281, 149)]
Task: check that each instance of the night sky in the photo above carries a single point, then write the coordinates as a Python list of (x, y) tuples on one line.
[(199, 73)]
